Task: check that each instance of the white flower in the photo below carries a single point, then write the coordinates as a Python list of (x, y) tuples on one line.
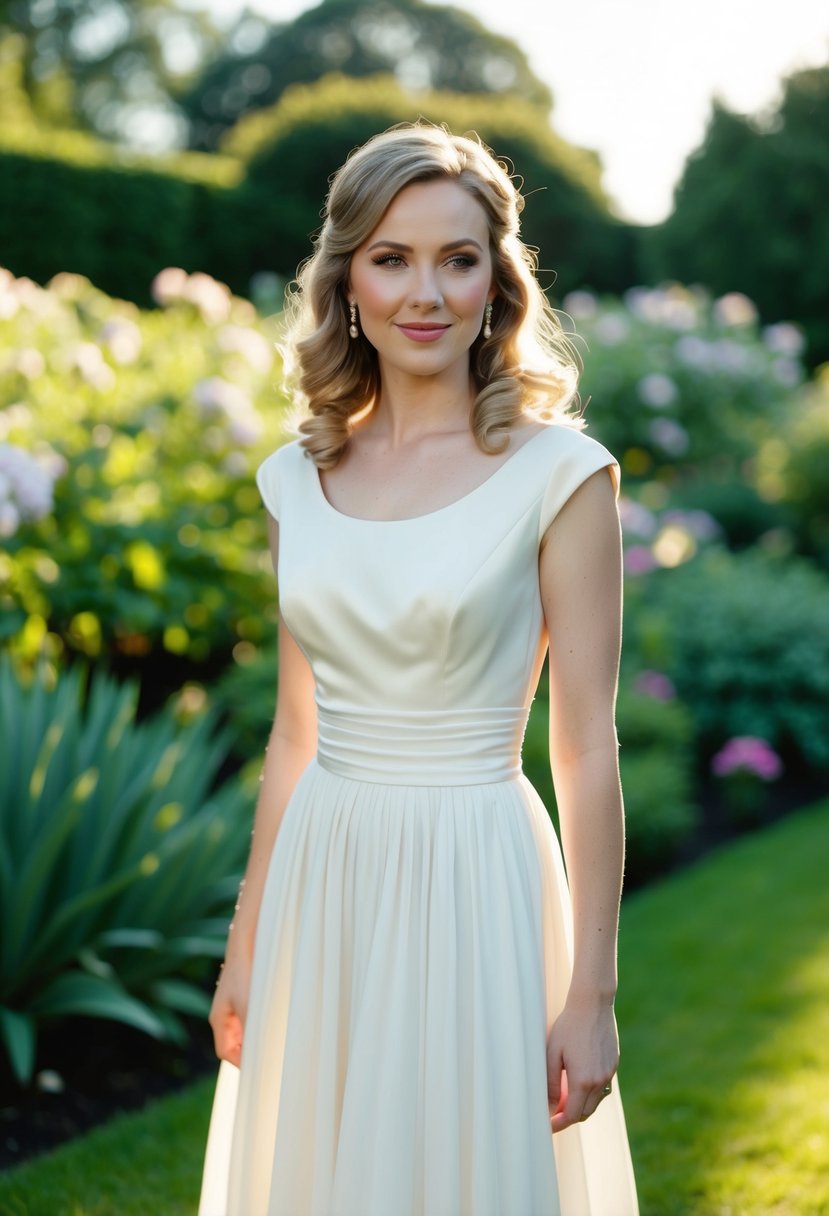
[(219, 398), (734, 309), (169, 285), (786, 372), (212, 298), (9, 518), (657, 390), (29, 362), (216, 396), (30, 485), (669, 436), (90, 362), (733, 358), (695, 352), (123, 339), (784, 339), (249, 343), (611, 329), (580, 305)]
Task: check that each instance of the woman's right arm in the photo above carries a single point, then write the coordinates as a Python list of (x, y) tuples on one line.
[(291, 746)]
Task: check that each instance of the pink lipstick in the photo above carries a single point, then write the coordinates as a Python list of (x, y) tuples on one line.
[(423, 331)]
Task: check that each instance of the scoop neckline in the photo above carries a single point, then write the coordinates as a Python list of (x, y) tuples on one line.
[(410, 519)]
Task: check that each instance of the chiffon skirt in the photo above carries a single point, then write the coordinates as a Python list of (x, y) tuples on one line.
[(413, 949)]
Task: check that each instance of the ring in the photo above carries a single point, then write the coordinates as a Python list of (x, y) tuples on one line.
[(607, 1089)]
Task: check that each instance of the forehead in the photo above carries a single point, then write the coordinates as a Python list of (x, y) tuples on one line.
[(432, 212)]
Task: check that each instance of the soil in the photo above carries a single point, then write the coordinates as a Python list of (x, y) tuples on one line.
[(105, 1068)]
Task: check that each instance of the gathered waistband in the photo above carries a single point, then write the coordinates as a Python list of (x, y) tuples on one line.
[(422, 747)]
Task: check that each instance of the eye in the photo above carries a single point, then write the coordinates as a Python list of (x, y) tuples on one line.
[(388, 259), (463, 261)]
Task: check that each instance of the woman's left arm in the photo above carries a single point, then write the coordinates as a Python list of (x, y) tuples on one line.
[(580, 569)]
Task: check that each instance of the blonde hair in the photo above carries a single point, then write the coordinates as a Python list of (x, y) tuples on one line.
[(527, 367)]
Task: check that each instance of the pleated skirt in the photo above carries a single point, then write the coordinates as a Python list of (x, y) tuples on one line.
[(412, 951)]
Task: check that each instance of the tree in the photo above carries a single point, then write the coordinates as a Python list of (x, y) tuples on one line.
[(291, 149), (425, 46), (750, 212), (107, 66)]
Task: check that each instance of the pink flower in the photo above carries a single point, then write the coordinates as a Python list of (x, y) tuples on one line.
[(655, 684), (747, 754)]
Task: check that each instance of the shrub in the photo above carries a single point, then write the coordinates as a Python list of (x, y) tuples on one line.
[(314, 127), (682, 387), (147, 428), (744, 638), (655, 762), (118, 861)]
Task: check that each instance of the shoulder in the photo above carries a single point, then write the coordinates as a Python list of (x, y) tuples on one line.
[(276, 470), (569, 457)]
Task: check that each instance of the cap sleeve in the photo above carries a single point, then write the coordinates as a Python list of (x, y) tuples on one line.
[(578, 458), (268, 481)]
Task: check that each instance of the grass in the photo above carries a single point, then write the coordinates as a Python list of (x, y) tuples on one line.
[(725, 1022), (724, 1014)]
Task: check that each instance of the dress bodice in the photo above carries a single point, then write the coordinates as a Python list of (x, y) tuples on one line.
[(437, 614)]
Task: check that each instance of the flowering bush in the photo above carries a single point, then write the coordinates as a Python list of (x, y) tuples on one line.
[(127, 445), (747, 754), (680, 385), (743, 639), (745, 765)]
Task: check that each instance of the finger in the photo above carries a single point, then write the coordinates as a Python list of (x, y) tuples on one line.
[(556, 1086)]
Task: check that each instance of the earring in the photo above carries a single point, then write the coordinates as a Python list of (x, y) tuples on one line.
[(352, 329), (488, 320)]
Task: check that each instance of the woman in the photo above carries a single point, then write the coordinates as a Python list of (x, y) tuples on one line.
[(414, 1016)]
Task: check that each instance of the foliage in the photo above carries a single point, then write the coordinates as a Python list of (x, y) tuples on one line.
[(743, 637), (119, 864), (749, 211), (68, 202), (792, 470), (682, 387), (106, 70), (314, 127), (425, 46), (655, 755), (151, 424)]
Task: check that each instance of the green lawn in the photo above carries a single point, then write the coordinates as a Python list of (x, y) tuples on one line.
[(725, 1022)]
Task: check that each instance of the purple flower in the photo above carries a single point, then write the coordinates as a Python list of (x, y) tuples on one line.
[(747, 754), (639, 560), (655, 684)]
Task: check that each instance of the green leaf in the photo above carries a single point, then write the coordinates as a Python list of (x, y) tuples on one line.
[(91, 996), (18, 1034), (186, 998)]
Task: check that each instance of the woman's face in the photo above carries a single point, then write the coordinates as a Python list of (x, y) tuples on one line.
[(422, 279)]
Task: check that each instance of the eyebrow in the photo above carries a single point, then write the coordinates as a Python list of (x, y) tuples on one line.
[(466, 240)]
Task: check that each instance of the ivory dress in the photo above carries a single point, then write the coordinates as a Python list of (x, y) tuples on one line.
[(414, 942)]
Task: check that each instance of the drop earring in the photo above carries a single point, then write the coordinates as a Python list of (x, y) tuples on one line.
[(488, 320), (352, 329)]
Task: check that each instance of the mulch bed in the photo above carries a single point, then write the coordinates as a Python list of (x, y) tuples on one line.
[(105, 1068)]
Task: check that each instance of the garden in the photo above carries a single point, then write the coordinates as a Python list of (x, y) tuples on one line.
[(138, 609), (138, 666)]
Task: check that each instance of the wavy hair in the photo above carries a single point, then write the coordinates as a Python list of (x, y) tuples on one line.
[(527, 367)]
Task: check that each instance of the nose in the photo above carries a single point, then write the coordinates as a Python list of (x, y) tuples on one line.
[(426, 293)]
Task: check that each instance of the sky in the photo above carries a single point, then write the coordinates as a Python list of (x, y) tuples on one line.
[(634, 79)]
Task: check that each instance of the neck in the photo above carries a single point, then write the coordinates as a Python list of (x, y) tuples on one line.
[(410, 407)]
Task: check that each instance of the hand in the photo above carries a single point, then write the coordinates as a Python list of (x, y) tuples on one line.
[(582, 1057), (229, 1009)]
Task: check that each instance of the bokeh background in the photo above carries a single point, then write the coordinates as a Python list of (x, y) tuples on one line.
[(162, 169)]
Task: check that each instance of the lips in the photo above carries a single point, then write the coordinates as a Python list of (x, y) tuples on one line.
[(423, 331)]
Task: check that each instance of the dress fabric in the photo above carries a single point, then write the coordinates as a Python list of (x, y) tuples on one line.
[(414, 942)]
